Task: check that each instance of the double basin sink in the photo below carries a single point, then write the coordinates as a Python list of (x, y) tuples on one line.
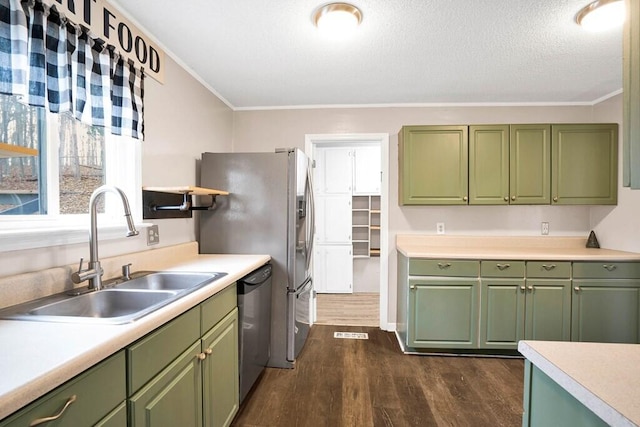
[(120, 301)]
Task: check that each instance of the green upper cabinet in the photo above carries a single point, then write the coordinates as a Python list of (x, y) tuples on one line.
[(530, 160), (489, 165), (584, 164), (433, 165)]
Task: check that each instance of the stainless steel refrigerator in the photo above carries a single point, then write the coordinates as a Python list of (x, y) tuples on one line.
[(269, 210)]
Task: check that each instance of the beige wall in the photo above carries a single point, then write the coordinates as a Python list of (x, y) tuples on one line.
[(266, 130), (182, 119)]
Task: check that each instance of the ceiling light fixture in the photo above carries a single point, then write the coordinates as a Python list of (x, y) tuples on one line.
[(337, 20), (601, 15)]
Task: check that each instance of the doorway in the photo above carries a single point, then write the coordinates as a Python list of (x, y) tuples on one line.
[(364, 244)]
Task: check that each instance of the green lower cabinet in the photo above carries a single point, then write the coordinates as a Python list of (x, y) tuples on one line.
[(548, 310), (606, 311), (443, 313), (173, 397), (221, 392), (502, 313), (515, 309), (546, 404)]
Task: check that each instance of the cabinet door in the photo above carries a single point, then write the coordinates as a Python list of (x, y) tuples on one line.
[(489, 165), (333, 223), (333, 171), (333, 269), (530, 164), (116, 418), (443, 313), (548, 310), (173, 397), (221, 389), (585, 164), (367, 170), (606, 311), (502, 313), (433, 166)]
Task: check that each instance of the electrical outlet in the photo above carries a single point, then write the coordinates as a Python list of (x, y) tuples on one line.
[(545, 228), (153, 235), (440, 228)]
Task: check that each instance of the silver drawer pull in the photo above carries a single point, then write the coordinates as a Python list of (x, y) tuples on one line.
[(610, 267), (548, 267), (522, 288), (39, 421), (502, 266), (577, 289), (443, 266)]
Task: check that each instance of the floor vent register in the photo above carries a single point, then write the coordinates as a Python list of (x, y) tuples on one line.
[(351, 335)]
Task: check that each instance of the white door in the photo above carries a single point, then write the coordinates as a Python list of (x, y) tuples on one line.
[(334, 170), (333, 219), (333, 269), (367, 170)]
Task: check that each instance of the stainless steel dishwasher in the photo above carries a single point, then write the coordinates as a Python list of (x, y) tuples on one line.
[(254, 311)]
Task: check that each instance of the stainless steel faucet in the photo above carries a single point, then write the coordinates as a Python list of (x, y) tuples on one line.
[(94, 272)]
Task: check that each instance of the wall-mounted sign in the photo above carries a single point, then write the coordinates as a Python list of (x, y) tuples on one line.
[(107, 23)]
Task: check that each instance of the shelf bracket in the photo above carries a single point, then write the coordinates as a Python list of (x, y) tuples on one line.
[(187, 204)]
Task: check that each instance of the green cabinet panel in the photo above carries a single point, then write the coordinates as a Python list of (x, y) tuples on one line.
[(173, 397), (443, 313), (507, 268), (584, 164), (443, 267), (221, 392), (215, 308), (156, 350), (489, 165), (548, 310), (606, 270), (93, 395), (117, 417), (433, 167), (530, 164), (606, 310), (549, 269), (548, 404), (502, 313)]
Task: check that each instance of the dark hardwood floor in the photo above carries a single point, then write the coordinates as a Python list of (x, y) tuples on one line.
[(346, 382)]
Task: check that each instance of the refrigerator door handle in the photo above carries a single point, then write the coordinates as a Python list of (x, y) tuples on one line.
[(311, 219)]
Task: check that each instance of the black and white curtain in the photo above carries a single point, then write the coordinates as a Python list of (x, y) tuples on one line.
[(49, 62)]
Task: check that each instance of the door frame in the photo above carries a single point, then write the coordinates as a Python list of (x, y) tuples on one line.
[(312, 140)]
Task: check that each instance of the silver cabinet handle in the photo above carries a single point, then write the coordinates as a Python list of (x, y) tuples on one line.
[(530, 288), (548, 267), (555, 199), (506, 198), (577, 289), (513, 197), (39, 421), (502, 266), (201, 356), (465, 198), (522, 288), (610, 267), (443, 266), (412, 287)]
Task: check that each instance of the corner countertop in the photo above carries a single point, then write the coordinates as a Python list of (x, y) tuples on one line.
[(506, 248), (36, 357), (603, 377)]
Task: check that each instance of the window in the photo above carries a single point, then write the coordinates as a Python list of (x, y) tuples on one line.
[(51, 163)]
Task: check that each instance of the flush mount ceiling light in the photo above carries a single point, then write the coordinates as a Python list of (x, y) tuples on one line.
[(601, 15), (337, 20)]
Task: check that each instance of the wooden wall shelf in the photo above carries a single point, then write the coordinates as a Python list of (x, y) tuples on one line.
[(175, 202)]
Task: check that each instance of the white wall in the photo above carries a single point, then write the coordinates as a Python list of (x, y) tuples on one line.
[(266, 130), (617, 227), (182, 119)]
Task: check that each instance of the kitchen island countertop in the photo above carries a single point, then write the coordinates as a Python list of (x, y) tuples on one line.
[(36, 357), (528, 248), (603, 377)]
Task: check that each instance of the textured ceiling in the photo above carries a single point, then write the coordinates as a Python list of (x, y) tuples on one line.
[(267, 53)]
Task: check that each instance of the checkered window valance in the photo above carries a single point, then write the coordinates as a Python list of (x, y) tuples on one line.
[(49, 62)]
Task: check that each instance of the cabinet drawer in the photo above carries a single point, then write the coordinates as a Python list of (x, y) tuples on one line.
[(155, 351), (216, 308), (439, 267), (548, 269), (609, 270), (502, 268), (97, 392)]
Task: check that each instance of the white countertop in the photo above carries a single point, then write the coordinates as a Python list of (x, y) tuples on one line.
[(36, 357), (603, 377), (506, 248)]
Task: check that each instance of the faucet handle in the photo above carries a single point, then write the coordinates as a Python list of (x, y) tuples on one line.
[(80, 266), (126, 271)]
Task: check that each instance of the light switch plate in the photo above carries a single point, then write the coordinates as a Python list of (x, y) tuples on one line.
[(153, 235)]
